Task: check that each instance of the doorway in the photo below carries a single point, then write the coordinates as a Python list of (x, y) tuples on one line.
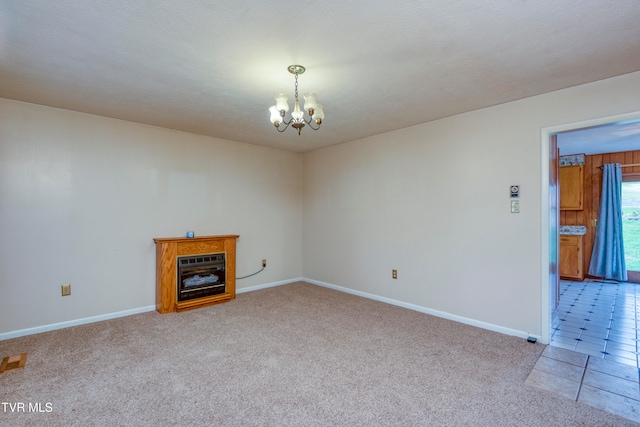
[(549, 215), (550, 248)]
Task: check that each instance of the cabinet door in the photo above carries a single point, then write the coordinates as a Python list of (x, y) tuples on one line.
[(571, 257), (571, 180)]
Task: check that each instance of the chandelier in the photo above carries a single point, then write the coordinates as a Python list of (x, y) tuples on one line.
[(297, 120)]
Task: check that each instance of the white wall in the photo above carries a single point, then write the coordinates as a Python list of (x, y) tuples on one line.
[(82, 197), (432, 201)]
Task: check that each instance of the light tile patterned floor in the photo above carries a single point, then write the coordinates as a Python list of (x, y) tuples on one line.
[(593, 352), (598, 318)]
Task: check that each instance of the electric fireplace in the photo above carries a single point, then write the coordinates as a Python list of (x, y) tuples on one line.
[(200, 276), (194, 272)]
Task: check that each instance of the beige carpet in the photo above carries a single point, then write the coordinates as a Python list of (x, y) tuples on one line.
[(294, 355)]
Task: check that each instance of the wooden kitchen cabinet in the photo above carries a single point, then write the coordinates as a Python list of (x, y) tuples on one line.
[(571, 180), (571, 257)]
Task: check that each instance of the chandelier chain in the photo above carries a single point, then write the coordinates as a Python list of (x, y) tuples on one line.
[(296, 86)]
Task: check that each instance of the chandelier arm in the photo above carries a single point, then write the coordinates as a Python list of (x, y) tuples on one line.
[(285, 127), (309, 122)]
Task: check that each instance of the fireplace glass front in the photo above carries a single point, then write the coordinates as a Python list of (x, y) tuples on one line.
[(200, 276)]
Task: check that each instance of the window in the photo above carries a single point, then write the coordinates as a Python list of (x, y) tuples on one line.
[(631, 223)]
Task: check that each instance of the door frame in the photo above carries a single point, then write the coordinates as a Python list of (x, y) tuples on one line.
[(546, 240)]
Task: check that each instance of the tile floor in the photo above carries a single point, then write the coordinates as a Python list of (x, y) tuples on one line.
[(598, 318), (593, 352), (611, 386)]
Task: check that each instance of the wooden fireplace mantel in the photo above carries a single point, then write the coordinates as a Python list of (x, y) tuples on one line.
[(168, 249)]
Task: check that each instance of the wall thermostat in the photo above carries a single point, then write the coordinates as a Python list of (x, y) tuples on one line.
[(515, 190)]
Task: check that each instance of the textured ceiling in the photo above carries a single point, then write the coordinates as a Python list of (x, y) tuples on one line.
[(610, 138), (213, 67)]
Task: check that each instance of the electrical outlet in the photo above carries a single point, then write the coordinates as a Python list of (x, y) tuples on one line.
[(264, 263), (394, 274), (66, 289)]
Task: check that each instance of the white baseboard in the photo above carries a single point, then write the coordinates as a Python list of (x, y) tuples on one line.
[(268, 285), (414, 307), (76, 322), (108, 316), (437, 313)]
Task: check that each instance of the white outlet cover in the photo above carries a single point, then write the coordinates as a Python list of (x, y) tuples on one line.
[(515, 206)]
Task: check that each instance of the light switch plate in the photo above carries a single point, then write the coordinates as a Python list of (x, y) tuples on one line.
[(515, 206)]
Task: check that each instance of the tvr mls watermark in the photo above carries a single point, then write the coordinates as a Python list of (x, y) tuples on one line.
[(26, 407)]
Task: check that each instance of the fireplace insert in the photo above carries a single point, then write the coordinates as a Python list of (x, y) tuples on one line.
[(201, 276)]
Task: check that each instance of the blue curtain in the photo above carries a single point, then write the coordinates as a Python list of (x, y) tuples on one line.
[(607, 258)]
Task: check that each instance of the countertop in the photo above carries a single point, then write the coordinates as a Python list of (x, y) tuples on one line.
[(574, 230)]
